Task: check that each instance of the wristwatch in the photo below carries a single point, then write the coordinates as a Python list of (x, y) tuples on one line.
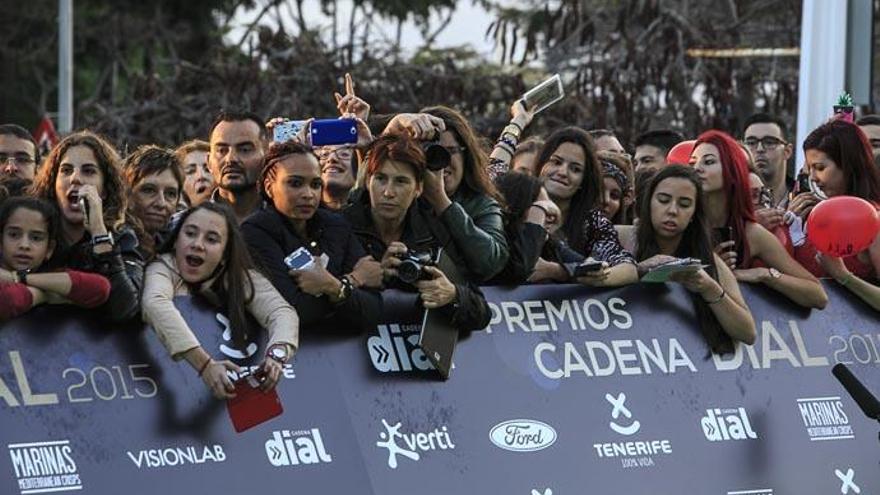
[(102, 239), (22, 276), (279, 353), (776, 274), (344, 289)]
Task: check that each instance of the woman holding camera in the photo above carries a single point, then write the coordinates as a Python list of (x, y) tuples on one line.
[(722, 169), (81, 175), (673, 225), (461, 195), (840, 162), (206, 254), (333, 280), (573, 180), (394, 225)]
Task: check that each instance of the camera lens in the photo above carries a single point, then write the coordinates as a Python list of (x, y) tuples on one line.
[(436, 157), (409, 271)]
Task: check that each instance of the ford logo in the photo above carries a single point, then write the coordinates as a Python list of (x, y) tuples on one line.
[(522, 435)]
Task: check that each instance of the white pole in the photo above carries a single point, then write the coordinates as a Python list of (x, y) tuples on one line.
[(822, 67), (65, 66)]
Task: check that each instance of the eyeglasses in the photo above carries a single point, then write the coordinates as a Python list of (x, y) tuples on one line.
[(769, 142), (343, 152), (454, 150), (17, 160)]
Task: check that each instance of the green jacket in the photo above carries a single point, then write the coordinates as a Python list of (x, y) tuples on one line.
[(476, 225)]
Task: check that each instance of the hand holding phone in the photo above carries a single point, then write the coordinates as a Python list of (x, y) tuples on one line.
[(301, 259)]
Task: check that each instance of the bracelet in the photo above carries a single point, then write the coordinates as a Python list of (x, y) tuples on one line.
[(845, 280), (718, 299), (513, 131), (354, 281), (536, 205), (205, 366), (516, 125)]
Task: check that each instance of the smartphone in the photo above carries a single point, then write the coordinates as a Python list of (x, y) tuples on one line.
[(334, 131), (252, 406), (301, 259), (803, 183), (722, 234), (587, 267), (287, 130), (543, 95)]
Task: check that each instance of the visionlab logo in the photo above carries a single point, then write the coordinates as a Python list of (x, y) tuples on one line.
[(412, 445), (176, 456), (825, 419), (396, 349), (522, 435), (632, 453), (720, 425), (43, 467), (292, 448)]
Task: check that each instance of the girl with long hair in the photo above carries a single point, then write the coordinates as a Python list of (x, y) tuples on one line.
[(82, 177), (723, 171), (206, 254), (673, 224), (29, 229), (840, 162)]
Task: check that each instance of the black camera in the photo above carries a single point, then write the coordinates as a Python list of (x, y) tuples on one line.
[(412, 266), (436, 156)]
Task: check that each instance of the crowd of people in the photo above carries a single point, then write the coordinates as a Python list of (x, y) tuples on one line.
[(228, 218)]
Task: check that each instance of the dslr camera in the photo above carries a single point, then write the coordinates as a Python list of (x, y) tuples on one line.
[(412, 266), (436, 156)]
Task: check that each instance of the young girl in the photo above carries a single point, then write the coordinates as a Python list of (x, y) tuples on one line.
[(29, 234), (206, 254), (673, 224)]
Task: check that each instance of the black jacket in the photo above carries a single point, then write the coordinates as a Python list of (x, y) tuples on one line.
[(525, 241), (270, 237), (123, 266), (423, 234)]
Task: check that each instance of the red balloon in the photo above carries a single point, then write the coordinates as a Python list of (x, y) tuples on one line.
[(843, 226), (680, 154)]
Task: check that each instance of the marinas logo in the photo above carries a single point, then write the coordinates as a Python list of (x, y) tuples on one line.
[(633, 453), (410, 445), (825, 419), (522, 435), (396, 349), (44, 467), (176, 456), (295, 447), (720, 425)]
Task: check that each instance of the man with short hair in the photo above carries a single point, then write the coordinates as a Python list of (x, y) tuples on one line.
[(238, 143), (18, 152), (870, 125), (653, 146), (606, 140), (764, 136)]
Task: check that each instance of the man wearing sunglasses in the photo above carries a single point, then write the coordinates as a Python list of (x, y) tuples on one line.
[(18, 152), (765, 137)]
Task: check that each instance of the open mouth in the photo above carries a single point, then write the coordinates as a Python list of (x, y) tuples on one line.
[(201, 188), (73, 200), (333, 169), (194, 261)]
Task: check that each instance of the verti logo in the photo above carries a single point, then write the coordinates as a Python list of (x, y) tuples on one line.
[(412, 442), (617, 408), (396, 349), (43, 467), (846, 481)]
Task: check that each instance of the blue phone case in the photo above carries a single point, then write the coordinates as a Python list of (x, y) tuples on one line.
[(334, 131)]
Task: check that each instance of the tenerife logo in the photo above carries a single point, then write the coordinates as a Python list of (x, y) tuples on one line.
[(292, 448), (825, 419), (632, 453), (177, 456), (413, 443), (618, 408), (396, 348), (720, 425), (522, 435), (232, 352), (43, 467)]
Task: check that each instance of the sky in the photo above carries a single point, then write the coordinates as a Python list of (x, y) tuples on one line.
[(468, 26)]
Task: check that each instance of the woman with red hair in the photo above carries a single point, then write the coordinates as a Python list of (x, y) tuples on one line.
[(840, 162), (724, 172)]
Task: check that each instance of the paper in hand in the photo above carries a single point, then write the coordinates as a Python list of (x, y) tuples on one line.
[(663, 272)]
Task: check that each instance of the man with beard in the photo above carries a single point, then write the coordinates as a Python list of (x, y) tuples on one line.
[(765, 137), (18, 152), (238, 143)]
